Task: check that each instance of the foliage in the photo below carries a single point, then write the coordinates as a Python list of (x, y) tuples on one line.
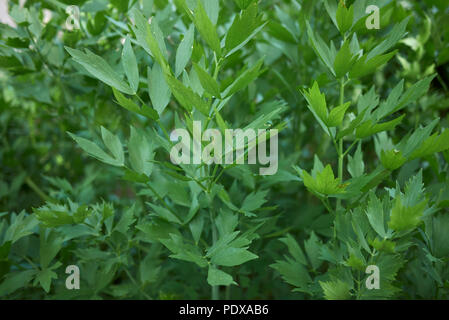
[(86, 177)]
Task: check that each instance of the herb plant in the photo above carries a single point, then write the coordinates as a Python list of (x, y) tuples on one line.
[(93, 90)]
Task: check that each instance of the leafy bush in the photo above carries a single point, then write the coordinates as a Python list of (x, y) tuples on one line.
[(89, 101)]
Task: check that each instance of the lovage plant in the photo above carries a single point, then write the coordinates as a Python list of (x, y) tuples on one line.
[(205, 149)]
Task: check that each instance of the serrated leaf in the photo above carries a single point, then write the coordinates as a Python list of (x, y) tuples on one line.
[(365, 66), (367, 128), (230, 256), (405, 218), (243, 4), (216, 277), (206, 28), (324, 182), (317, 103), (244, 27), (344, 60), (336, 290), (337, 114), (344, 17), (392, 159), (393, 37), (321, 48), (165, 214), (356, 166)]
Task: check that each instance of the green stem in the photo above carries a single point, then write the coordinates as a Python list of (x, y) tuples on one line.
[(340, 142), (350, 147), (41, 57), (215, 292), (38, 190), (228, 293)]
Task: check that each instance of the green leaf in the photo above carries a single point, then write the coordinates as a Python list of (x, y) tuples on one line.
[(186, 97), (294, 273), (336, 116), (317, 104), (409, 207), (158, 88), (149, 37), (165, 213), (375, 214), (321, 48), (95, 151), (16, 280), (243, 4), (44, 277), (244, 79), (209, 84), (392, 159), (414, 93), (130, 105), (140, 152), (50, 245), (183, 251), (336, 290), (53, 218), (254, 201), (231, 257), (130, 65), (433, 144), (344, 60), (126, 220), (100, 69), (393, 37), (324, 182), (365, 66), (356, 166), (206, 28), (212, 8), (294, 249), (184, 52), (312, 247), (344, 17), (217, 277), (126, 103), (367, 128), (404, 217), (244, 27), (112, 142), (196, 228)]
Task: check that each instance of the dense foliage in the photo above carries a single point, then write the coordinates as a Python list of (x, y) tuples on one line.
[(87, 106)]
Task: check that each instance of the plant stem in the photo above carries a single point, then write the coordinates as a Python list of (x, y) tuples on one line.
[(340, 142), (215, 292), (38, 190), (228, 293)]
